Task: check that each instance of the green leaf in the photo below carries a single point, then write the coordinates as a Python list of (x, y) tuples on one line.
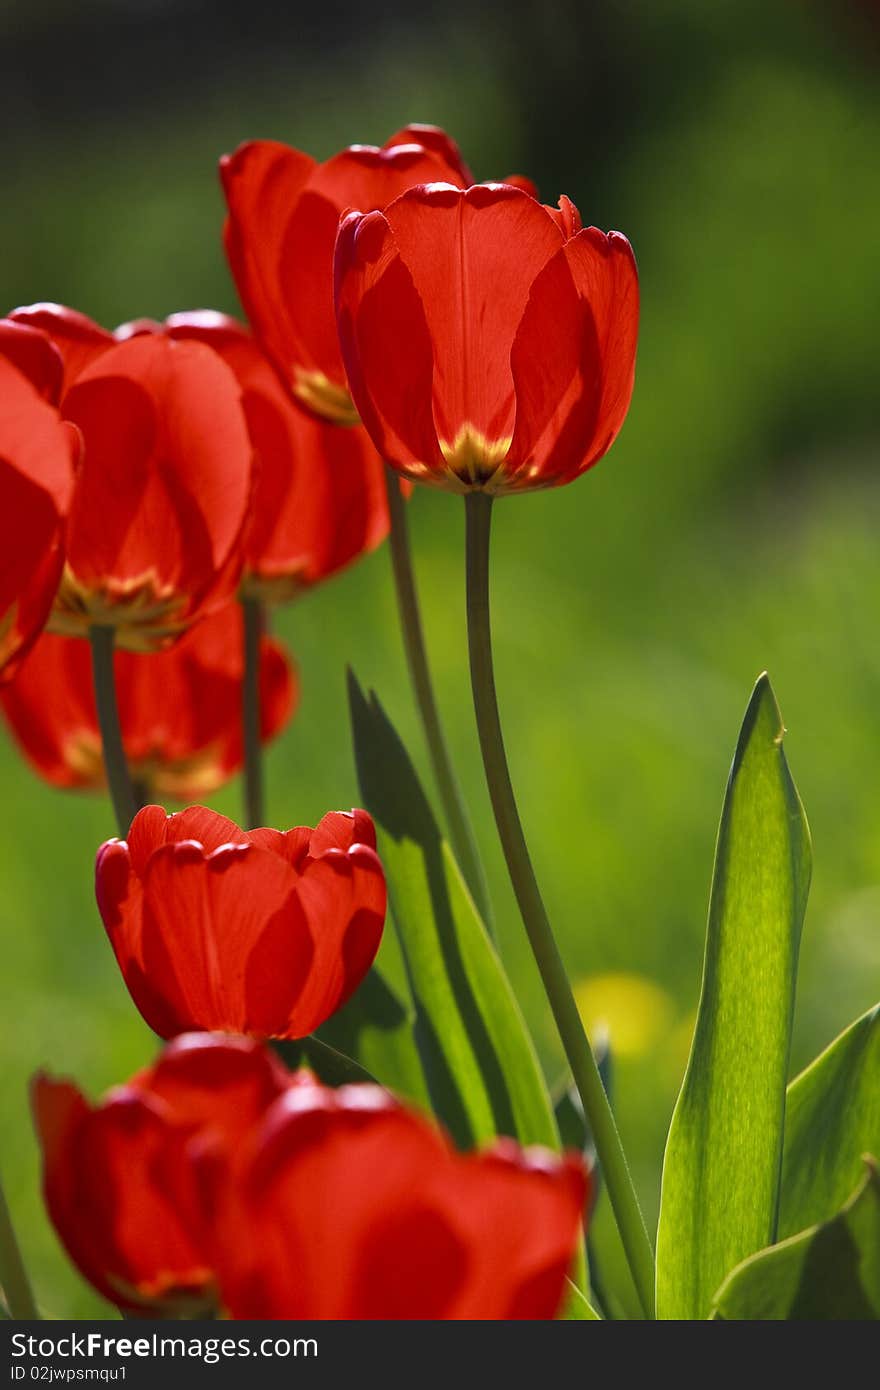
[(832, 1117), (375, 1028), (480, 1066), (330, 1066), (828, 1273), (576, 1307), (720, 1190)]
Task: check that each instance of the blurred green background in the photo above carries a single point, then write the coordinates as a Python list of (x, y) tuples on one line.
[(733, 527)]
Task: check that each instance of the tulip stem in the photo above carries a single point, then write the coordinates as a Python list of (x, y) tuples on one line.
[(461, 834), (254, 622), (630, 1222), (13, 1275), (115, 765)]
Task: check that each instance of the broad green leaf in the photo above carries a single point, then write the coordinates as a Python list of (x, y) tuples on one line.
[(330, 1066), (480, 1066), (576, 1307), (375, 1028), (832, 1117), (828, 1273), (720, 1190)]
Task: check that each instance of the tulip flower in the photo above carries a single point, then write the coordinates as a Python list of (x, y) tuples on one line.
[(284, 209), (349, 1206), (164, 484), (260, 932), (37, 461), (180, 709), (118, 1176), (489, 341), (319, 498)]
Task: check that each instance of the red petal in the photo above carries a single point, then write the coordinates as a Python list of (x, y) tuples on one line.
[(35, 356), (344, 899), (262, 181), (385, 341), (605, 272), (341, 830), (36, 482), (116, 1188), (473, 257), (50, 709), (369, 178), (219, 1083), (77, 338), (572, 402), (432, 138), (225, 940)]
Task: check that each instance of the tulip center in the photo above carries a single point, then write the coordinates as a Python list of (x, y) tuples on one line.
[(144, 615), (475, 461), (324, 397), (273, 588)]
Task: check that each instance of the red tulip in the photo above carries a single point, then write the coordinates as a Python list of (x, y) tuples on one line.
[(489, 341), (163, 489), (319, 500), (284, 210), (349, 1206), (37, 460), (118, 1176), (180, 709), (256, 932)]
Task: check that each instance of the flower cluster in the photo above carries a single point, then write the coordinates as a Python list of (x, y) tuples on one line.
[(216, 1179), (161, 484)]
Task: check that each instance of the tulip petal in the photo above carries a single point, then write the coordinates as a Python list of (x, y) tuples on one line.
[(473, 257), (572, 400), (225, 940), (384, 338), (222, 1084), (36, 483), (77, 338), (344, 897), (35, 356), (432, 138), (262, 181), (94, 1160)]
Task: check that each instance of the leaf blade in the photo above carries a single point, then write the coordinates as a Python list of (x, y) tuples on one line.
[(481, 1070), (832, 1118), (720, 1188), (830, 1272)]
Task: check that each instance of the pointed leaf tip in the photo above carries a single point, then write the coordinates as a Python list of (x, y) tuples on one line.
[(762, 720)]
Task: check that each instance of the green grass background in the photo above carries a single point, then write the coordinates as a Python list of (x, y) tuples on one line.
[(734, 527)]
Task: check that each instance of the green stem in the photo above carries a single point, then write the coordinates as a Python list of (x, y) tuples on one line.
[(13, 1275), (254, 620), (615, 1171), (460, 832), (116, 767)]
